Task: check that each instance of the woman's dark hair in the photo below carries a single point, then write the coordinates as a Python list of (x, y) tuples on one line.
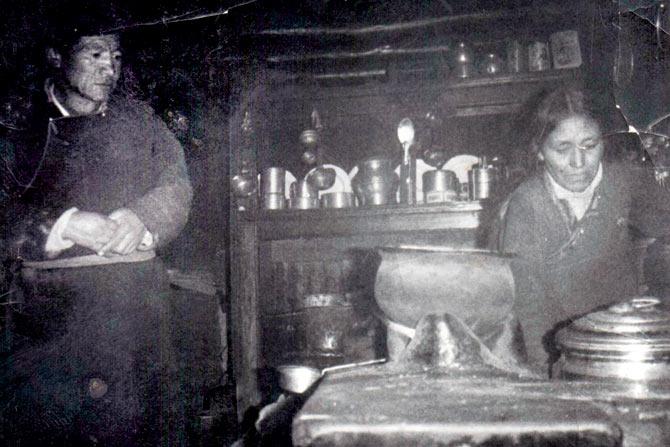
[(550, 108)]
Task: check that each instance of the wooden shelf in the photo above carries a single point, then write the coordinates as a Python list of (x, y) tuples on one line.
[(481, 95), (294, 224)]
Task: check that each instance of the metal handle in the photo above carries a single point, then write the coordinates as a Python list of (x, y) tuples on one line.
[(352, 365)]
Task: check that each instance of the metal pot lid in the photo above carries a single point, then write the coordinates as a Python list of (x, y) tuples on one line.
[(640, 324)]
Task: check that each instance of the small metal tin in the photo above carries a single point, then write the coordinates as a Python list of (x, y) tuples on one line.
[(538, 56)]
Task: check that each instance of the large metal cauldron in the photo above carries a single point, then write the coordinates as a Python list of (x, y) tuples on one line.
[(628, 341), (469, 284)]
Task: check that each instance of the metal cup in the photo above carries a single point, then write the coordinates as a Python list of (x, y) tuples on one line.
[(274, 201), (303, 203), (517, 60), (538, 56), (273, 181), (337, 200), (440, 186)]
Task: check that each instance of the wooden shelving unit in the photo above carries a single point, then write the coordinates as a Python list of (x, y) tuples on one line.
[(359, 84)]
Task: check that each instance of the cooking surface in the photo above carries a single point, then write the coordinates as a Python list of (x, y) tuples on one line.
[(382, 406)]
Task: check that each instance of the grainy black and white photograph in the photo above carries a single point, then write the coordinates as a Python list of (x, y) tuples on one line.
[(337, 223)]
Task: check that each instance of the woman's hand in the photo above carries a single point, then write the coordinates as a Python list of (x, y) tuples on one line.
[(91, 230), (128, 234)]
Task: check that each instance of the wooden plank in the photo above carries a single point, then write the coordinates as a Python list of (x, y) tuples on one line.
[(245, 332), (244, 311), (292, 224)]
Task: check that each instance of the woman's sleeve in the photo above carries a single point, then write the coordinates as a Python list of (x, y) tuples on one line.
[(519, 235), (518, 229), (650, 203)]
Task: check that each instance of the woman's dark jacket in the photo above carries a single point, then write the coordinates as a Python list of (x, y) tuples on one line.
[(565, 270)]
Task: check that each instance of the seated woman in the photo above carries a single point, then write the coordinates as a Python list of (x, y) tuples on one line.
[(571, 224)]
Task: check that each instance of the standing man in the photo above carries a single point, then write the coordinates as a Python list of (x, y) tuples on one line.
[(99, 185)]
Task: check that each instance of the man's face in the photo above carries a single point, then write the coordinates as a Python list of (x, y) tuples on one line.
[(94, 67), (572, 152)]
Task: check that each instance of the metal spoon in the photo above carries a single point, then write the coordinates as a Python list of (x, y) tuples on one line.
[(406, 132), (408, 166)]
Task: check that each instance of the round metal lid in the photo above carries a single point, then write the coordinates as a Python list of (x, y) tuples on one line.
[(640, 324)]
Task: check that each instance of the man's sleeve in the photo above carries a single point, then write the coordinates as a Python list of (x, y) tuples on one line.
[(164, 209)]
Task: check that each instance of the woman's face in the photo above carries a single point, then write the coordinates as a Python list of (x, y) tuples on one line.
[(572, 152)]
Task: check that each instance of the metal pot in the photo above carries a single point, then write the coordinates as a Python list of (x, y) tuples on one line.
[(321, 330), (300, 378), (376, 181), (628, 341), (436, 280)]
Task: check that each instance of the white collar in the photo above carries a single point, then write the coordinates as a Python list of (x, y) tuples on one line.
[(566, 194), (579, 202), (51, 96)]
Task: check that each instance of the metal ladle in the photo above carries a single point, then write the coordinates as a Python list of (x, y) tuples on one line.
[(408, 166), (300, 378)]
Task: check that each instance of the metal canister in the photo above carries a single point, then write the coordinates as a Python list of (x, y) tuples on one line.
[(538, 56), (481, 182)]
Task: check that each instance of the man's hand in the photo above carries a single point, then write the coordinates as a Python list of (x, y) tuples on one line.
[(127, 236), (91, 230)]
